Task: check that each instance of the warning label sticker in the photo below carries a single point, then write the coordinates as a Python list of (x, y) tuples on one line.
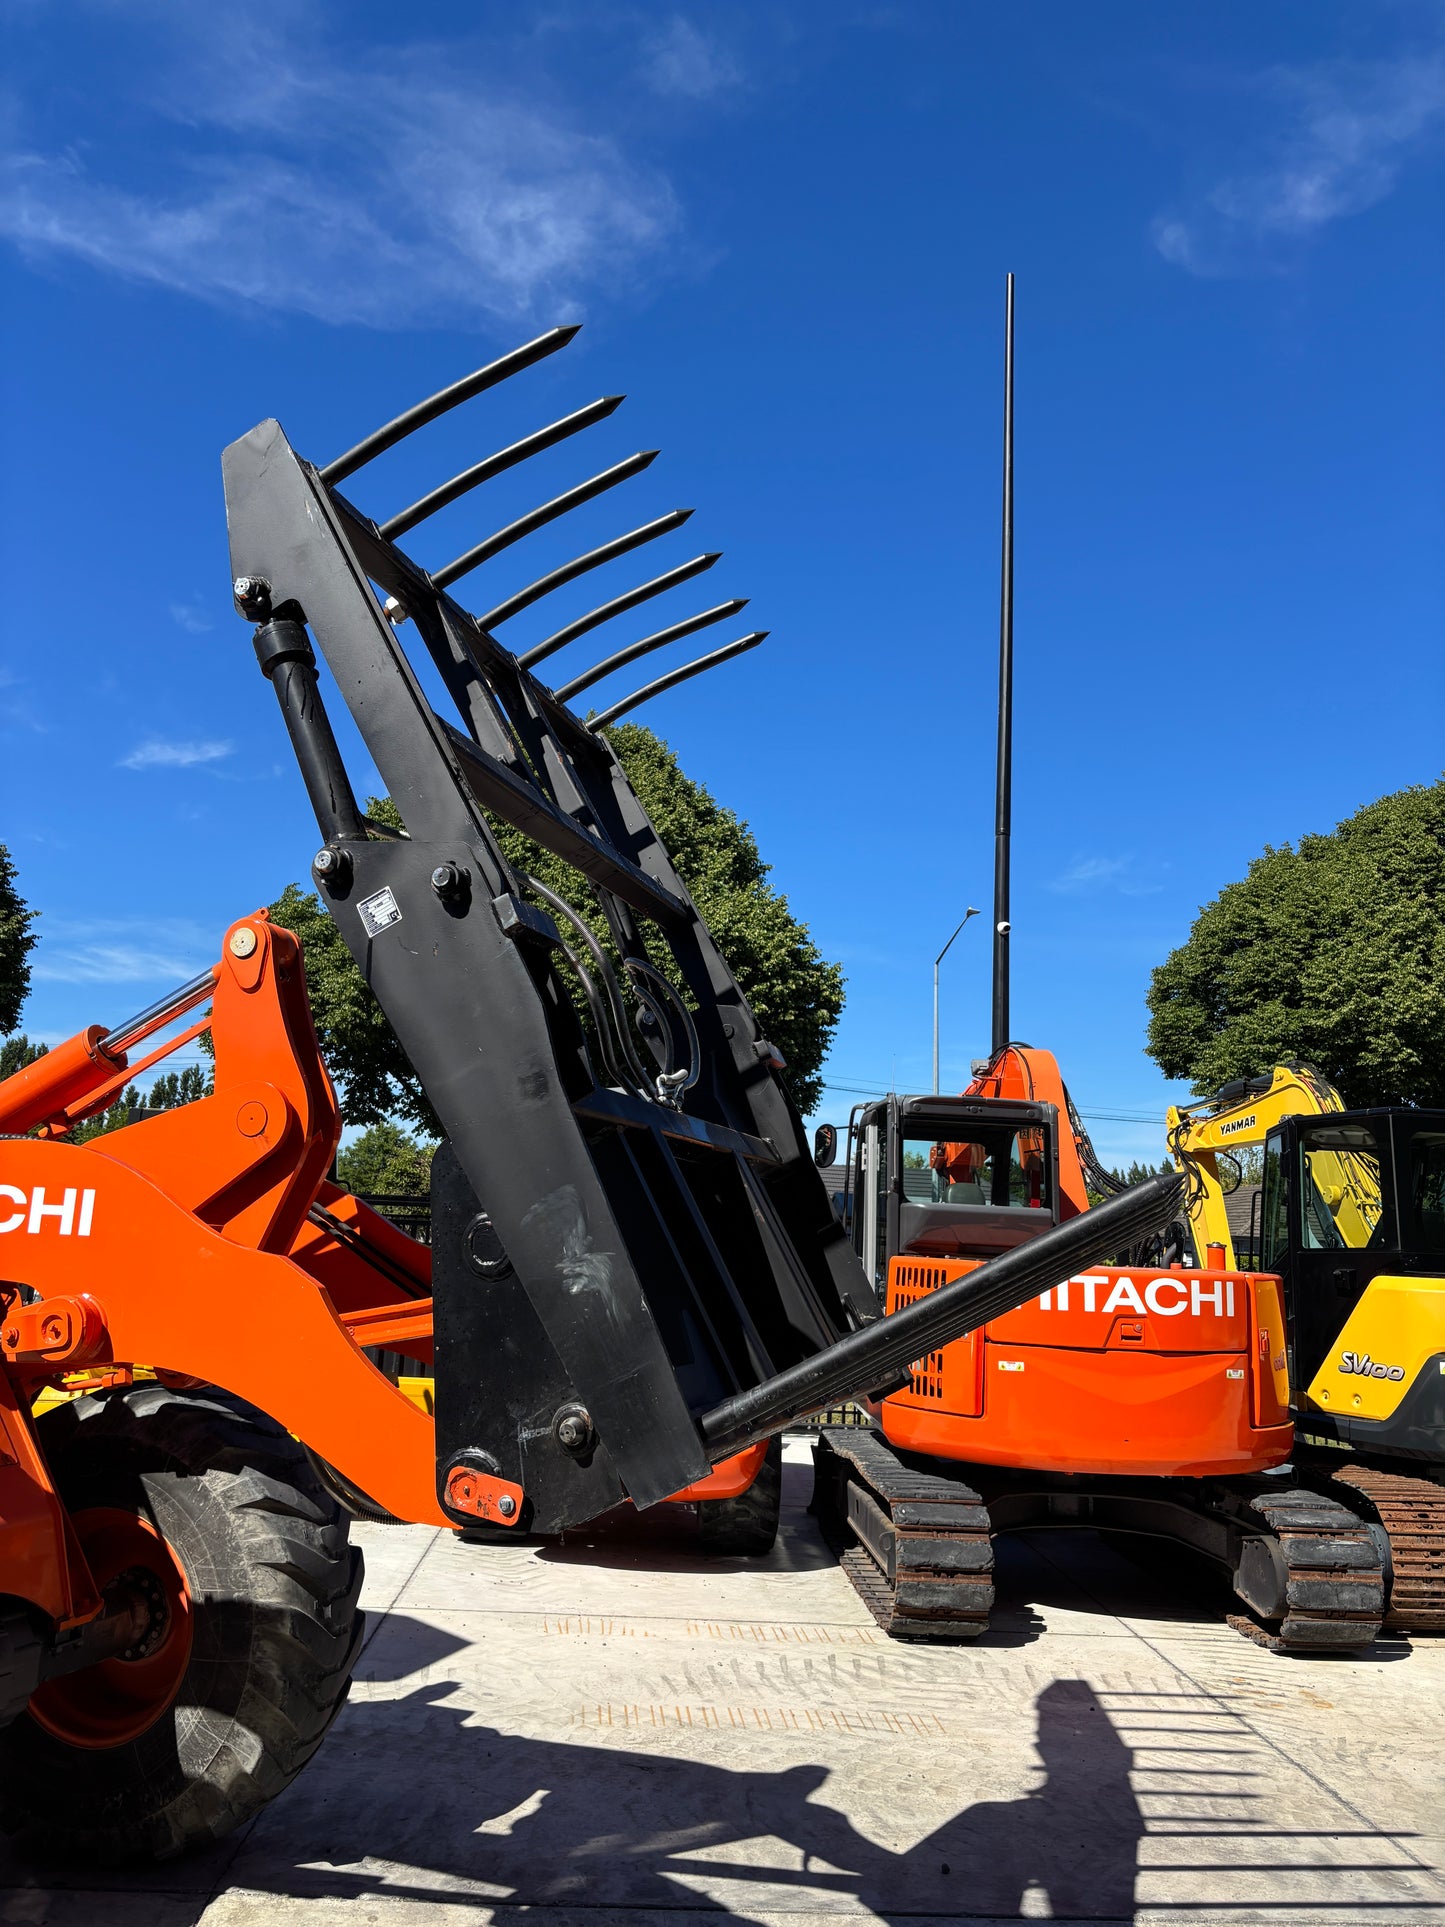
[(379, 912)]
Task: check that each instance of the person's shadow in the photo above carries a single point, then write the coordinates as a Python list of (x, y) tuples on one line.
[(429, 1805)]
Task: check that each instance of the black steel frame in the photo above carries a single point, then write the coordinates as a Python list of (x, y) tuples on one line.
[(644, 1174), (636, 1265)]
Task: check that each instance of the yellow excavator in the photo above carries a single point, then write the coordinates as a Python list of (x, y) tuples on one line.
[(1349, 1211)]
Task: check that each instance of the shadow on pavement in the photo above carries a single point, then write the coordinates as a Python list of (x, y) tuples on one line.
[(436, 1808)]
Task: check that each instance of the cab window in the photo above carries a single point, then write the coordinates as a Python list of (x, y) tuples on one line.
[(1426, 1195), (1002, 1169), (1274, 1212), (1340, 1199)]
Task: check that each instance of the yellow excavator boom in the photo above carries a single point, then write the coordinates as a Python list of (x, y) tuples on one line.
[(1239, 1118)]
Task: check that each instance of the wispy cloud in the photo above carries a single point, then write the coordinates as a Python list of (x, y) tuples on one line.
[(1098, 873), (121, 951), (680, 59), (159, 754), (15, 710), (1344, 134), (192, 617), (391, 191)]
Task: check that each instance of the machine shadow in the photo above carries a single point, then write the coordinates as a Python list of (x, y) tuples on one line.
[(470, 1813), (665, 1538)]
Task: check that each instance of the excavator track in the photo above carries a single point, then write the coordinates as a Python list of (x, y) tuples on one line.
[(916, 1547), (1412, 1511), (1319, 1574)]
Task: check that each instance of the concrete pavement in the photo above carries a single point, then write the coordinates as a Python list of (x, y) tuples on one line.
[(620, 1732)]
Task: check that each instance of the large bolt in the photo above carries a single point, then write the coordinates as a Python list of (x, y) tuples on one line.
[(506, 1505), (243, 942), (331, 866), (253, 596), (572, 1427), (449, 879)]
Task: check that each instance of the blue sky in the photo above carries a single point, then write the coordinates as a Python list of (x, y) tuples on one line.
[(786, 228)]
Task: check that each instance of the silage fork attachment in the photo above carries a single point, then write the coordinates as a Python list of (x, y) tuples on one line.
[(636, 1266)]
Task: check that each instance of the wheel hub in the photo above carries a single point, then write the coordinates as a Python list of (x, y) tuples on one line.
[(119, 1698)]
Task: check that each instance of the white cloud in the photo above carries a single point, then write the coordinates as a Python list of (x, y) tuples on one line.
[(1092, 873), (309, 176), (679, 59), (121, 951), (1087, 871), (192, 617), (1348, 132), (159, 754)]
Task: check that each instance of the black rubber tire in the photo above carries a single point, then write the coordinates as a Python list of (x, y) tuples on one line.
[(747, 1526), (273, 1584)]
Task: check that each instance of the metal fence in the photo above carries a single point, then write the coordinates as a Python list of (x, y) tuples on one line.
[(407, 1212)]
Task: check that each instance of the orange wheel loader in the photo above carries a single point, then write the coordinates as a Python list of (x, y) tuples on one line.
[(635, 1279)]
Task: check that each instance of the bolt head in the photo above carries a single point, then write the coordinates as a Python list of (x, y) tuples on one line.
[(243, 942), (253, 596), (506, 1505), (325, 863)]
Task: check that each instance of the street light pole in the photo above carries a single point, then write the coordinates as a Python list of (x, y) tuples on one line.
[(1004, 806), (970, 912)]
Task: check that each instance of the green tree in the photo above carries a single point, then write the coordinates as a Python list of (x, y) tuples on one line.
[(1332, 952), (796, 994), (1137, 1172), (18, 1051), (168, 1092), (386, 1159), (17, 940)]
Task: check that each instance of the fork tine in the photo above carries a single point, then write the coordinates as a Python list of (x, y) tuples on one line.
[(426, 411)]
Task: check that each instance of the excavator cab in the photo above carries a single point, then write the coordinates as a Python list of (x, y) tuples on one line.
[(949, 1177), (1353, 1222)]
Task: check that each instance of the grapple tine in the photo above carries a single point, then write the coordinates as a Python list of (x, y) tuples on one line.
[(579, 565), (619, 605), (446, 398), (675, 676), (539, 517), (497, 464), (674, 633)]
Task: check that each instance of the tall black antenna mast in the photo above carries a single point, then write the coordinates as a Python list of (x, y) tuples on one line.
[(1004, 806)]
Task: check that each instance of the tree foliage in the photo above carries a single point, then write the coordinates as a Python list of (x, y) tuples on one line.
[(169, 1091), (17, 940), (386, 1159), (795, 993), (17, 1052), (1332, 952)]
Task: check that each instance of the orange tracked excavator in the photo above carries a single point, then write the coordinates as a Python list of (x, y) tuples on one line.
[(1139, 1396)]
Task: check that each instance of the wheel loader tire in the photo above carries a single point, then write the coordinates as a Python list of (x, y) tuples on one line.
[(746, 1527), (249, 1654)]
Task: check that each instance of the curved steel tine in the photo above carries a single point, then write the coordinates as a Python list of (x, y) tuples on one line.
[(579, 565), (619, 605), (648, 643), (497, 464), (426, 411), (675, 676), (539, 517)]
